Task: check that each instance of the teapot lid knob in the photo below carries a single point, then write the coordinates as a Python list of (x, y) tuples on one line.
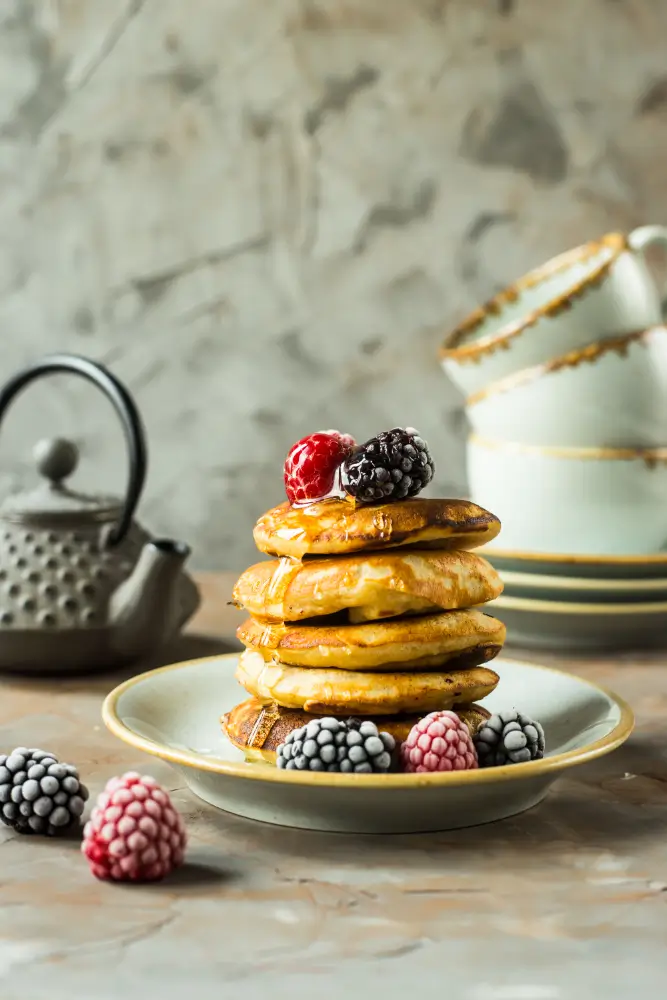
[(56, 458)]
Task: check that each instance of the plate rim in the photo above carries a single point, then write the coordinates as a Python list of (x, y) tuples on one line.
[(253, 772), (507, 602), (540, 581), (603, 559)]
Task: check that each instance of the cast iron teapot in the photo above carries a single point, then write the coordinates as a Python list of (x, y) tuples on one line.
[(82, 585)]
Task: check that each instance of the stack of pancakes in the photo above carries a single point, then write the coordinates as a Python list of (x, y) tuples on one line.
[(368, 610)]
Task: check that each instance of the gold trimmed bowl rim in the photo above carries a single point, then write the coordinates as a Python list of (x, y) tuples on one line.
[(540, 581), (580, 558), (255, 772), (566, 362), (535, 604), (581, 453), (458, 347)]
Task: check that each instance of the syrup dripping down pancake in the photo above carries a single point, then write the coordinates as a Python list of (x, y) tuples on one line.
[(337, 527), (396, 644), (370, 586)]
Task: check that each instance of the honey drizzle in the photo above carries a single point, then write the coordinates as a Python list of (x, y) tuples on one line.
[(266, 720), (301, 526), (281, 578), (271, 634)]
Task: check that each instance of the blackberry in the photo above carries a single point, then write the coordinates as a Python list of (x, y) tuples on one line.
[(38, 794), (509, 738), (394, 465), (330, 744)]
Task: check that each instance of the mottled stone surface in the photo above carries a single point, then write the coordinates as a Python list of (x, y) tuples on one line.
[(262, 215), (566, 902)]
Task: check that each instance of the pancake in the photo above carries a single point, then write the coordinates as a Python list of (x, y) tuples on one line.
[(258, 730), (397, 644), (349, 692), (336, 527), (371, 586)]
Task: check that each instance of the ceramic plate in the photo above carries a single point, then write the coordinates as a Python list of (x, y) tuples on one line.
[(569, 626), (173, 713), (631, 567), (582, 589)]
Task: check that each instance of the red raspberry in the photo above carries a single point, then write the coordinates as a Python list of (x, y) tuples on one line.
[(312, 464), (439, 742), (134, 833)]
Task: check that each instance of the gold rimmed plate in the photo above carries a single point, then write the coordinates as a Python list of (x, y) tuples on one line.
[(639, 566), (173, 713), (582, 589), (578, 626)]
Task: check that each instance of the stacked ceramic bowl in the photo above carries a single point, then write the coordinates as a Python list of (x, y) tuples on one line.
[(565, 375)]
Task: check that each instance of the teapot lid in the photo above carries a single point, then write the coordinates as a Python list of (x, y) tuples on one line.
[(56, 459)]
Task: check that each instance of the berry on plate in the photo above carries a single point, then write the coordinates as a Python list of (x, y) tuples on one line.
[(439, 742), (312, 466), (134, 833), (391, 466), (509, 738), (329, 744)]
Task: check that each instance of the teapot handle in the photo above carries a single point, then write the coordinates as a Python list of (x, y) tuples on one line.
[(124, 405)]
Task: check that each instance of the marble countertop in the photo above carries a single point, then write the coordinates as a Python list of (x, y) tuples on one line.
[(567, 902)]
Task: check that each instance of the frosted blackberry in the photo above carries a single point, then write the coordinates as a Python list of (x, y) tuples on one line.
[(509, 738), (365, 748), (330, 744), (392, 466), (38, 794)]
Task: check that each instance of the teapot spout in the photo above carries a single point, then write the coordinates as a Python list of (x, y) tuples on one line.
[(144, 609)]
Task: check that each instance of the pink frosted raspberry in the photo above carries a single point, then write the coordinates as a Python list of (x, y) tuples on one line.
[(134, 833), (439, 742)]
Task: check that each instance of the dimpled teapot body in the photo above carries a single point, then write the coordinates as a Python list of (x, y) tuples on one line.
[(82, 586)]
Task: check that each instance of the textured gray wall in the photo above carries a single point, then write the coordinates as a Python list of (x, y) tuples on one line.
[(262, 215)]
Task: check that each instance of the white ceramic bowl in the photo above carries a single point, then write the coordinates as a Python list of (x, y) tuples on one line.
[(609, 394), (173, 713), (598, 290), (606, 501), (573, 626)]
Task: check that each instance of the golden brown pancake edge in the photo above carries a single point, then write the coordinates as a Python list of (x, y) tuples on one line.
[(380, 645), (346, 692), (374, 584), (336, 527)]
